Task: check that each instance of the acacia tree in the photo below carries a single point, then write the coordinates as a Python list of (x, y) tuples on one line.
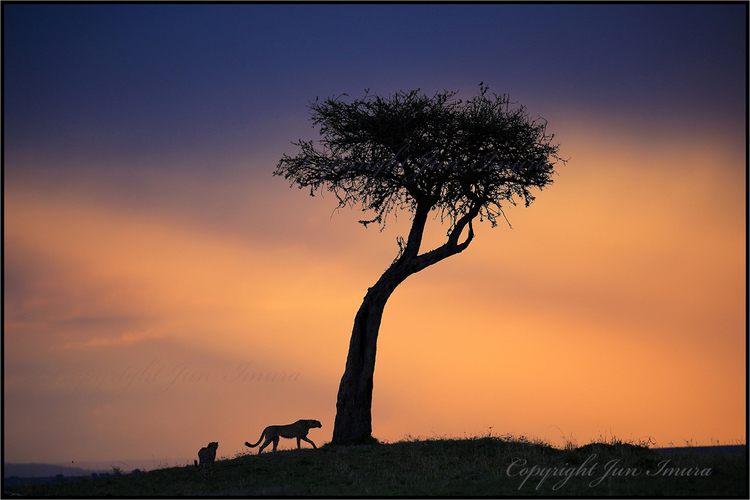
[(408, 151)]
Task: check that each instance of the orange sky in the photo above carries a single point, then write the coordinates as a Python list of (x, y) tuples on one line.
[(137, 320)]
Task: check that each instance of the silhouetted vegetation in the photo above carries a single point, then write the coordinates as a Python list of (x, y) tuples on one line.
[(480, 466), (459, 160)]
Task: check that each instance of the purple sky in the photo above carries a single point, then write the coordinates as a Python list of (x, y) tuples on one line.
[(151, 79)]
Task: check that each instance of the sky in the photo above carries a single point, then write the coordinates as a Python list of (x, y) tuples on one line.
[(162, 289)]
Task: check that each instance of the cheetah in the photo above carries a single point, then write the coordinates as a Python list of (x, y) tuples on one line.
[(298, 429), (207, 455)]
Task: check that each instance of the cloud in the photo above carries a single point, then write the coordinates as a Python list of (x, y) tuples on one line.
[(129, 303), (123, 339)]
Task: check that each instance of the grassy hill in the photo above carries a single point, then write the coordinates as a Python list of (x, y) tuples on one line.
[(467, 467)]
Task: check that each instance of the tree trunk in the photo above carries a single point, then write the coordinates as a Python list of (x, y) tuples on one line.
[(353, 424)]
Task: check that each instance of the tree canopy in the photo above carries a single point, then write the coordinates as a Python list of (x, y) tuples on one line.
[(409, 149)]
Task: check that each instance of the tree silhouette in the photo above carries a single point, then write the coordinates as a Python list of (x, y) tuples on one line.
[(409, 151)]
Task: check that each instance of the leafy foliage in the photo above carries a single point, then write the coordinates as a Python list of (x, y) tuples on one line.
[(409, 150)]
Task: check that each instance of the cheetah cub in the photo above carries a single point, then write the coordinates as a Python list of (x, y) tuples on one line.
[(207, 455)]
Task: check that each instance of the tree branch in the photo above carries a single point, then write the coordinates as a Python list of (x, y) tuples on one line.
[(450, 247), (414, 240)]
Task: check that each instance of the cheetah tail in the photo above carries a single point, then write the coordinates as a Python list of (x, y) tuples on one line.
[(256, 444)]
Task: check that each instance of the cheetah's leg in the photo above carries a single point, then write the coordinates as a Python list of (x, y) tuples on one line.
[(306, 439), (266, 443)]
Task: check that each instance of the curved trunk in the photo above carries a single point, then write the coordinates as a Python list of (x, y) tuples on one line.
[(353, 424)]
